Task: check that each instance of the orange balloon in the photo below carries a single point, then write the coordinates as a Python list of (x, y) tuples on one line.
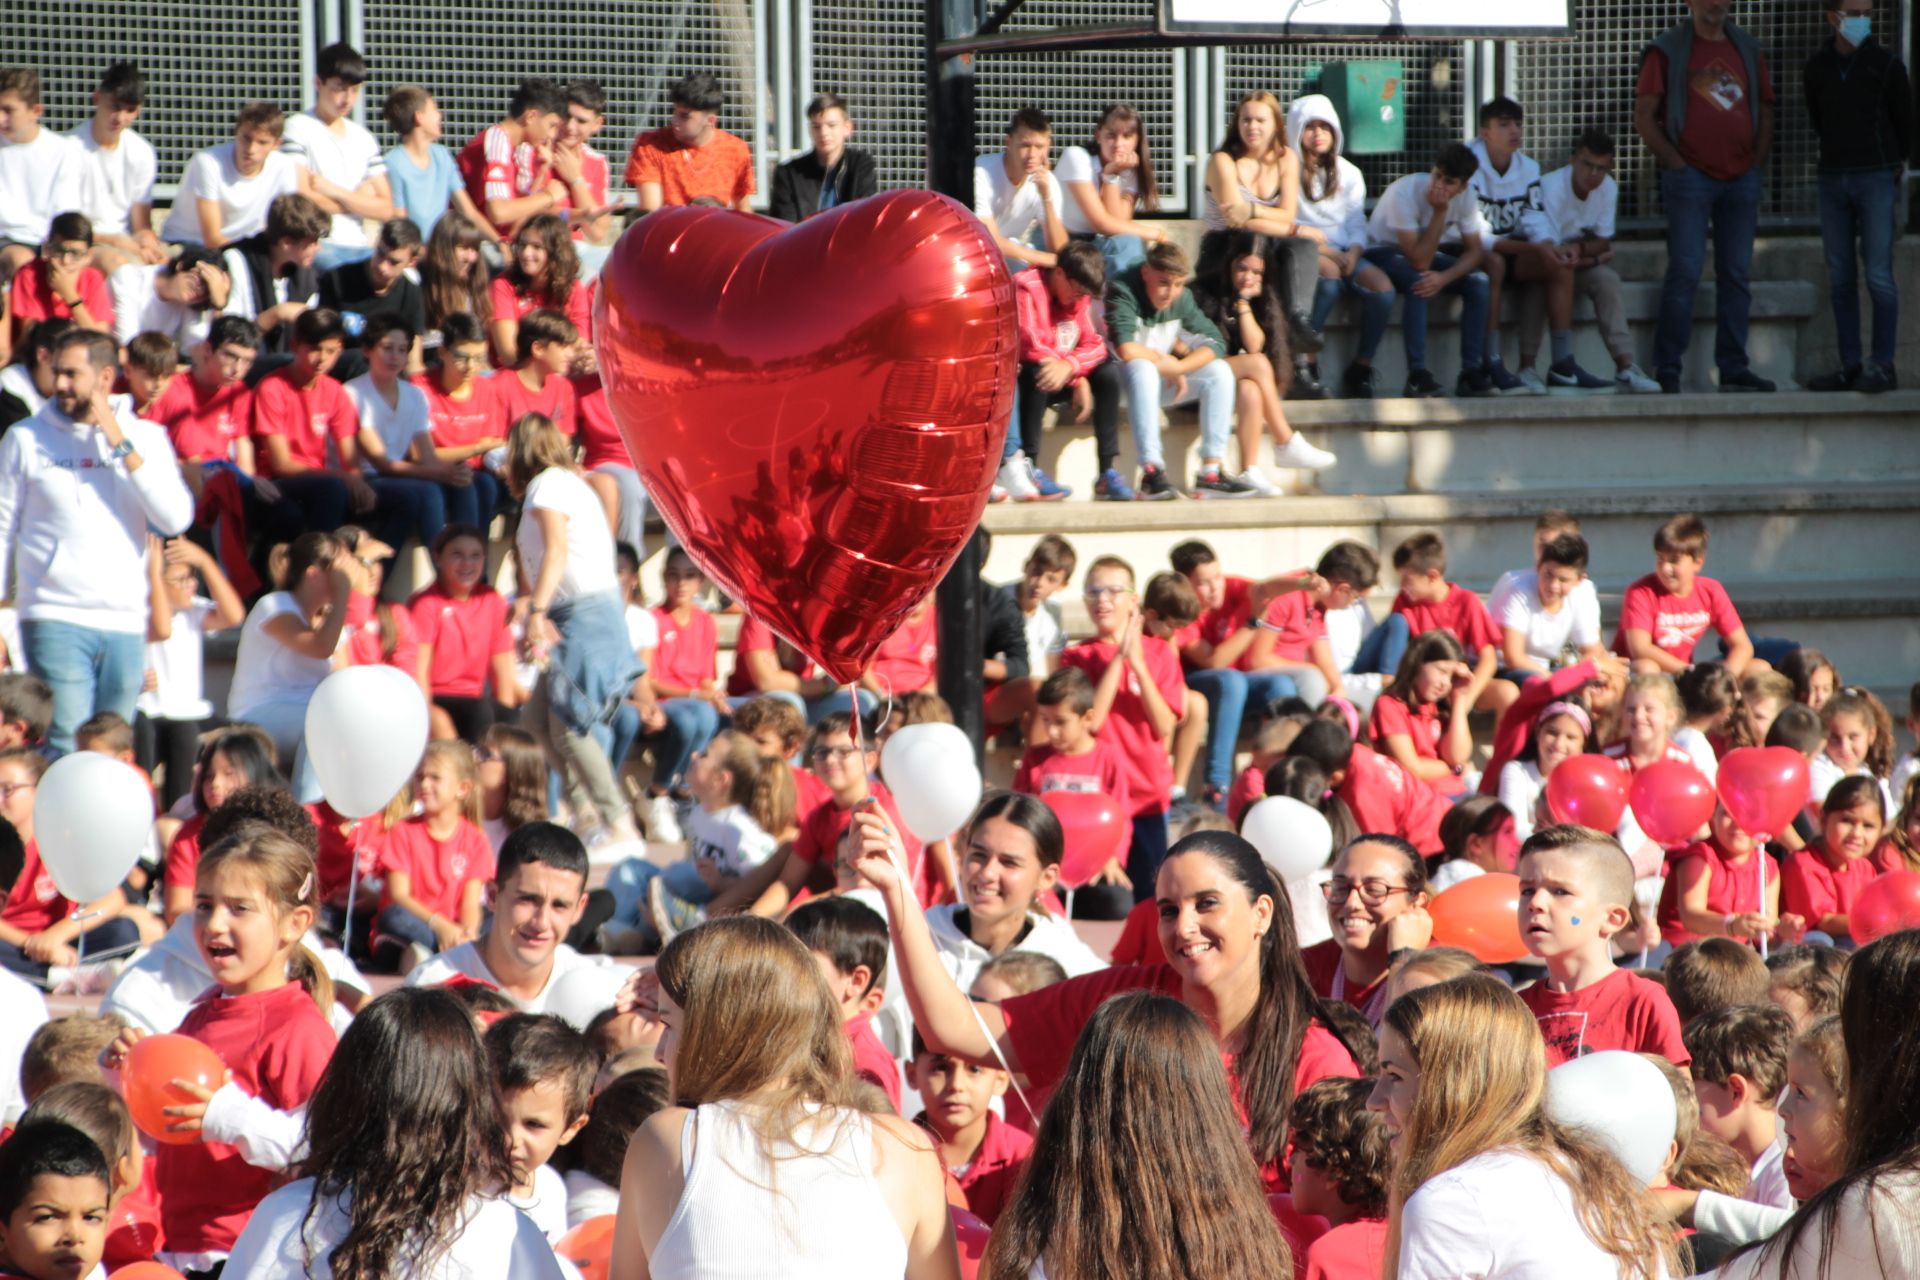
[(146, 1271), (1481, 915), (589, 1247), (147, 1080)]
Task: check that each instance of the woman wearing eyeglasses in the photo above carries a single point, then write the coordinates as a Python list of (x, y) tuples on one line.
[(1377, 905)]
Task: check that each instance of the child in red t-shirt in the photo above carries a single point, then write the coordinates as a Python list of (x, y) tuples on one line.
[(1071, 758), (1664, 614), (543, 271), (1713, 889), (133, 1212), (1429, 602), (1269, 748), (846, 772), (538, 383), (465, 418), (1421, 722), (59, 285), (504, 166), (1821, 882), (983, 1152), (307, 428), (208, 413), (1382, 796), (1576, 891), (848, 940), (1341, 1163), (38, 926), (464, 643), (437, 864), (1650, 710), (1139, 695), (905, 661)]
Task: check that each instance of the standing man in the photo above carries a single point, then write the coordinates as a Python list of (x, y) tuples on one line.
[(1704, 107), (831, 174), (691, 157), (1861, 106), (81, 482)]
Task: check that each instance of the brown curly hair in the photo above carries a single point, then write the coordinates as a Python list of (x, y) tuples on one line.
[(1335, 1133)]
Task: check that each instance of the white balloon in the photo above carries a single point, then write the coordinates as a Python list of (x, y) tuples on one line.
[(581, 995), (933, 777), (1623, 1101), (366, 732), (91, 816), (1293, 838)]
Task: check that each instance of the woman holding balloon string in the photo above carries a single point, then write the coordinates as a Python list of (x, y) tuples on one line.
[(39, 926)]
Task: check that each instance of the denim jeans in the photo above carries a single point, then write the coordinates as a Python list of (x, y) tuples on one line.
[(398, 922), (408, 508), (472, 503), (1692, 201), (116, 934), (1472, 290), (1229, 693), (1376, 309), (1213, 384), (691, 723), (633, 503), (1146, 853), (1384, 646), (1122, 253), (321, 499), (88, 671), (1859, 208), (629, 881)]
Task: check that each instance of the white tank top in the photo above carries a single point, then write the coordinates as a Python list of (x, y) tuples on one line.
[(742, 1216)]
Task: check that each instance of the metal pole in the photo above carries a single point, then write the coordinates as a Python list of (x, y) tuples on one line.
[(950, 156)]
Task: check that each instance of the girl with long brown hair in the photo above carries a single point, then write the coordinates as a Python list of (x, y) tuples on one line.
[(1108, 183), (454, 276), (543, 270)]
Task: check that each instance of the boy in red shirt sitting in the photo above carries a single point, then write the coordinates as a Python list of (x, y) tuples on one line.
[(1383, 796), (538, 381), (848, 940), (846, 770), (1071, 758), (983, 1152), (59, 284), (1576, 893), (508, 166), (1430, 602), (307, 429), (1340, 1164), (1664, 614)]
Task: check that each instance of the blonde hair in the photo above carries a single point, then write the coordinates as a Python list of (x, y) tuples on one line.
[(1660, 684), (763, 787), (533, 445), (1483, 1083), (285, 872)]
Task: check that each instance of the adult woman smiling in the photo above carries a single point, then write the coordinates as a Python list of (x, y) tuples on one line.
[(1377, 905), (1228, 934)]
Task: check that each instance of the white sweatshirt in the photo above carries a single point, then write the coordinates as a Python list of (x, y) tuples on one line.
[(1343, 214), (73, 521), (1047, 936)]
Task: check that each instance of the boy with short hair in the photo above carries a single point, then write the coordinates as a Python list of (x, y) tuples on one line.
[(227, 190), (1546, 620), (208, 413), (27, 383), (831, 174), (1015, 193), (26, 710), (152, 363), (1171, 354), (1063, 357), (107, 733), (691, 157), (848, 940), (60, 284), (66, 1049), (1340, 1166), (1410, 222), (1381, 793), (508, 166), (179, 297), (42, 173), (537, 383), (1046, 571), (273, 280), (1739, 1072), (1576, 893), (1429, 602), (846, 770), (422, 175), (55, 1187), (584, 170), (983, 1152), (1664, 615), (343, 170), (120, 170), (1806, 981), (1711, 974), (1071, 758), (1318, 632), (307, 429), (543, 1071), (377, 285)]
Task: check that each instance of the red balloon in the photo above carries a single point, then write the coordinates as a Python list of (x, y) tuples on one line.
[(817, 410), (1482, 915), (970, 1234), (1096, 831), (589, 1247), (147, 1080), (146, 1271), (1590, 790), (1671, 801), (1764, 788), (1887, 905)]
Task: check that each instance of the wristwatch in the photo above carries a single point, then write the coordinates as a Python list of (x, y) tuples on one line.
[(122, 450)]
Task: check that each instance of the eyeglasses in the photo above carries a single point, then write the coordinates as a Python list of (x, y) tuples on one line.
[(466, 361), (1095, 593), (7, 789), (833, 753), (68, 252), (1372, 892)]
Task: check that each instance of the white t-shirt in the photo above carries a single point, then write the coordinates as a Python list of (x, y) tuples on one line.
[(466, 960), (643, 629), (588, 1197), (22, 1012), (1015, 210), (266, 672), (1823, 774), (730, 837), (1516, 604), (1452, 873), (590, 561), (547, 1206), (1873, 1239), (138, 308), (1046, 636), (1695, 744), (243, 201), (1570, 218), (1347, 630), (345, 158), (1403, 207), (1077, 164), (39, 179), (1520, 788), (395, 424), (1498, 1216), (177, 664), (115, 179), (495, 1240), (1046, 935)]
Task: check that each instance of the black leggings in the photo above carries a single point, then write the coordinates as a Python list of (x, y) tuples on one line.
[(471, 717), (175, 744), (1108, 390)]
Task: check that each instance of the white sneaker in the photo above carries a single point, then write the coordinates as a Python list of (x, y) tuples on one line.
[(1016, 477), (1301, 455), (1633, 380), (997, 494), (1256, 479), (1531, 384), (663, 822)]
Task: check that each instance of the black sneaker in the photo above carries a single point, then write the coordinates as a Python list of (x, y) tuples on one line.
[(1876, 378), (1301, 334), (1306, 384), (1670, 384), (1746, 380), (1421, 385), (1155, 487), (1214, 482), (1839, 380), (1472, 384), (1358, 381), (1567, 375)]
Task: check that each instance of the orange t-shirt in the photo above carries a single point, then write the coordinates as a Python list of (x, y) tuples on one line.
[(722, 169)]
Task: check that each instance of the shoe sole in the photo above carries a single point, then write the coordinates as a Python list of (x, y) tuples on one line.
[(1155, 497), (1048, 497), (1748, 391), (1217, 495)]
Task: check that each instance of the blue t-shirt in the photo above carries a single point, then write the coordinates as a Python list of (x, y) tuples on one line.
[(423, 193)]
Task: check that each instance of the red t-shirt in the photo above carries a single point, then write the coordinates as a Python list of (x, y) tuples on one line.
[(595, 172), (510, 303), (721, 168), (1718, 137), (1149, 771), (1811, 888), (466, 635), (600, 439), (871, 1061), (1732, 888), (1386, 798), (905, 662), (439, 869), (1216, 625), (757, 637), (820, 830), (183, 853), (1510, 735), (202, 424), (1621, 1011), (1459, 612), (1423, 724), (1139, 940), (35, 905), (687, 654), (1043, 769), (464, 422), (1043, 1025), (809, 794), (34, 300), (1676, 625), (1351, 1251), (1297, 620), (365, 639), (493, 166), (307, 417), (133, 1229), (342, 842), (1322, 962), (1250, 786), (993, 1172), (554, 400), (276, 1043)]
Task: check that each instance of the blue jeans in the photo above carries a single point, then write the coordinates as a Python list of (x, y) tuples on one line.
[(1146, 853), (1229, 693), (1861, 207), (408, 508), (333, 255), (628, 884), (88, 671), (1213, 384), (116, 934), (1691, 201), (1472, 290), (1383, 648), (1376, 309), (321, 499), (1122, 253), (472, 503), (398, 922), (691, 722)]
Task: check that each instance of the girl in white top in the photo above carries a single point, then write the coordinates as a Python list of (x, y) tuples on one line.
[(1333, 213), (407, 1164), (1107, 184), (1253, 184), (1477, 837), (764, 1168), (1485, 1184), (1561, 731), (177, 627)]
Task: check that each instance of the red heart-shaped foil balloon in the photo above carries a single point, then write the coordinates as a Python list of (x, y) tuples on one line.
[(817, 410)]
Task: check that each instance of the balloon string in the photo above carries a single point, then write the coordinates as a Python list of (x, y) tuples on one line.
[(1760, 865)]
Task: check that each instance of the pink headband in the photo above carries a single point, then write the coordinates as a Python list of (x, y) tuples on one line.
[(1349, 713), (1574, 709)]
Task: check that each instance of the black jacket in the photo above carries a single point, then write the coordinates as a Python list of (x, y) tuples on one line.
[(1861, 107), (302, 283), (797, 183), (1003, 629)]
